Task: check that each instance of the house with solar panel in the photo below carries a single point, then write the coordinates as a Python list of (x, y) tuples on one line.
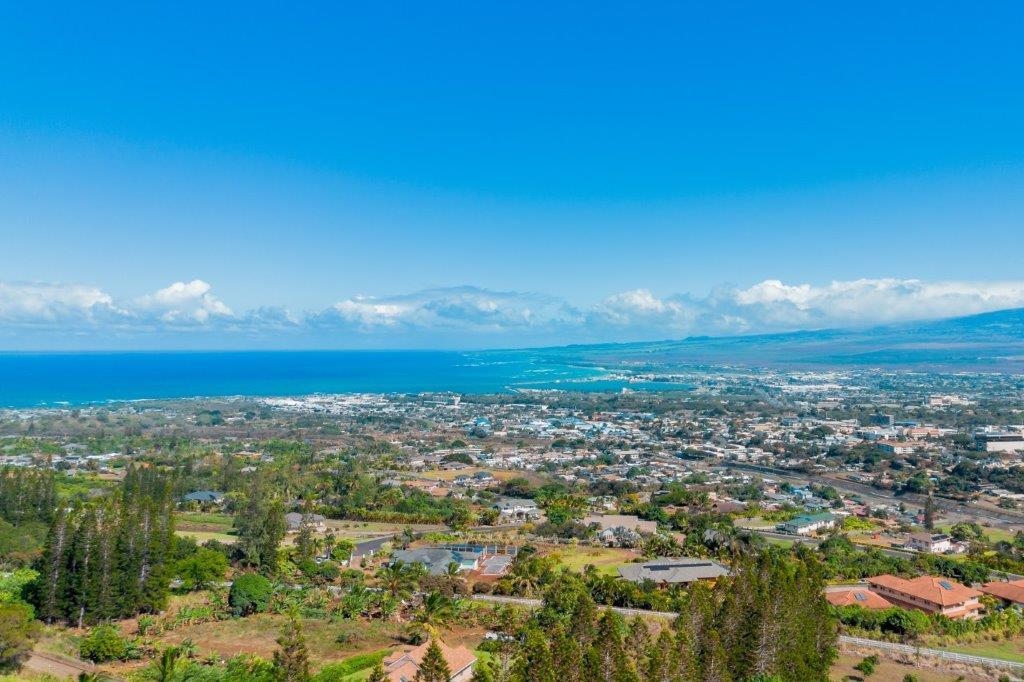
[(929, 594), (680, 571)]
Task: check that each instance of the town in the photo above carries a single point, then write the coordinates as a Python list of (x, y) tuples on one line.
[(905, 489)]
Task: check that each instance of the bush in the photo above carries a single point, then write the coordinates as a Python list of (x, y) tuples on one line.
[(201, 569), (335, 672), (104, 643), (18, 632), (867, 666), (250, 593)]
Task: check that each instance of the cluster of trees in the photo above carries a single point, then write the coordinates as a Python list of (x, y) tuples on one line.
[(27, 495), (768, 621), (910, 624), (109, 558), (843, 560), (28, 498)]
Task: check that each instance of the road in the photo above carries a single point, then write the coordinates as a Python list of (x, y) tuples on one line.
[(61, 667), (952, 509), (843, 639), (537, 603)]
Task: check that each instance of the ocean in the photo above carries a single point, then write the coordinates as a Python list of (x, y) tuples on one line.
[(59, 379)]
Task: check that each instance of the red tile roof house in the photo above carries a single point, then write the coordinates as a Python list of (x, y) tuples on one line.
[(1011, 593), (929, 594), (857, 596), (402, 666)]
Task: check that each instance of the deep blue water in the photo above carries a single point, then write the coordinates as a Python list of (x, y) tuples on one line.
[(35, 379)]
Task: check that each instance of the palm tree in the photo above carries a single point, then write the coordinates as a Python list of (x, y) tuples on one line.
[(387, 605), (397, 579), (166, 667), (436, 611)]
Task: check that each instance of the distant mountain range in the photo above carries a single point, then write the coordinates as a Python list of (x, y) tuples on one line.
[(990, 342)]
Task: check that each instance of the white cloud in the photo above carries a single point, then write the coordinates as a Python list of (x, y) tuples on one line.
[(41, 302), (773, 305), (184, 302), (471, 317), (455, 308), (870, 301)]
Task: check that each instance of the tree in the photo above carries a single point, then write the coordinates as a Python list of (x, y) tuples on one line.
[(261, 528), (929, 510), (397, 578), (305, 540), (250, 593), (378, 674), (867, 666), (565, 508), (433, 667), (18, 633), (436, 611), (201, 569), (103, 643), (966, 531), (291, 660)]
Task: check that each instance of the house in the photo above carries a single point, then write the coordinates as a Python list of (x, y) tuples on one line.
[(402, 666), (293, 520), (673, 571), (1011, 593), (515, 508), (483, 479), (437, 559), (858, 596), (203, 497), (929, 594), (805, 525), (930, 543)]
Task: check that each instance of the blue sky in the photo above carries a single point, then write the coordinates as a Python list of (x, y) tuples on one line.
[(464, 175)]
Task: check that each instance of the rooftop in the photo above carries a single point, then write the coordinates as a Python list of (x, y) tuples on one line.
[(935, 590), (682, 570)]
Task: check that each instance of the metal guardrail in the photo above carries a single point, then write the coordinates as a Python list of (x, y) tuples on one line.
[(936, 653)]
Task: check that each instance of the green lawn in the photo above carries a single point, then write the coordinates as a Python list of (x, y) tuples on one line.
[(1007, 649), (606, 560), (203, 518), (201, 536)]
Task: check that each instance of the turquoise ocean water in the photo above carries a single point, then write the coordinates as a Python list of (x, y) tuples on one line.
[(54, 379)]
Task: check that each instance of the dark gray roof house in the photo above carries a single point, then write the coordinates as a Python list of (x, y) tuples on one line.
[(437, 559), (682, 570)]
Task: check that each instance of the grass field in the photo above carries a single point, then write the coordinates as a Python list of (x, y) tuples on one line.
[(327, 641), (201, 536), (1007, 649), (605, 559), (891, 671)]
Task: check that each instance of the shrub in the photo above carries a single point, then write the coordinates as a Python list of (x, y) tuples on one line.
[(18, 633), (335, 672), (104, 643), (867, 666), (250, 593)]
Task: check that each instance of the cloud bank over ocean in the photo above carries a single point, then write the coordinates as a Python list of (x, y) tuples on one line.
[(37, 316)]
